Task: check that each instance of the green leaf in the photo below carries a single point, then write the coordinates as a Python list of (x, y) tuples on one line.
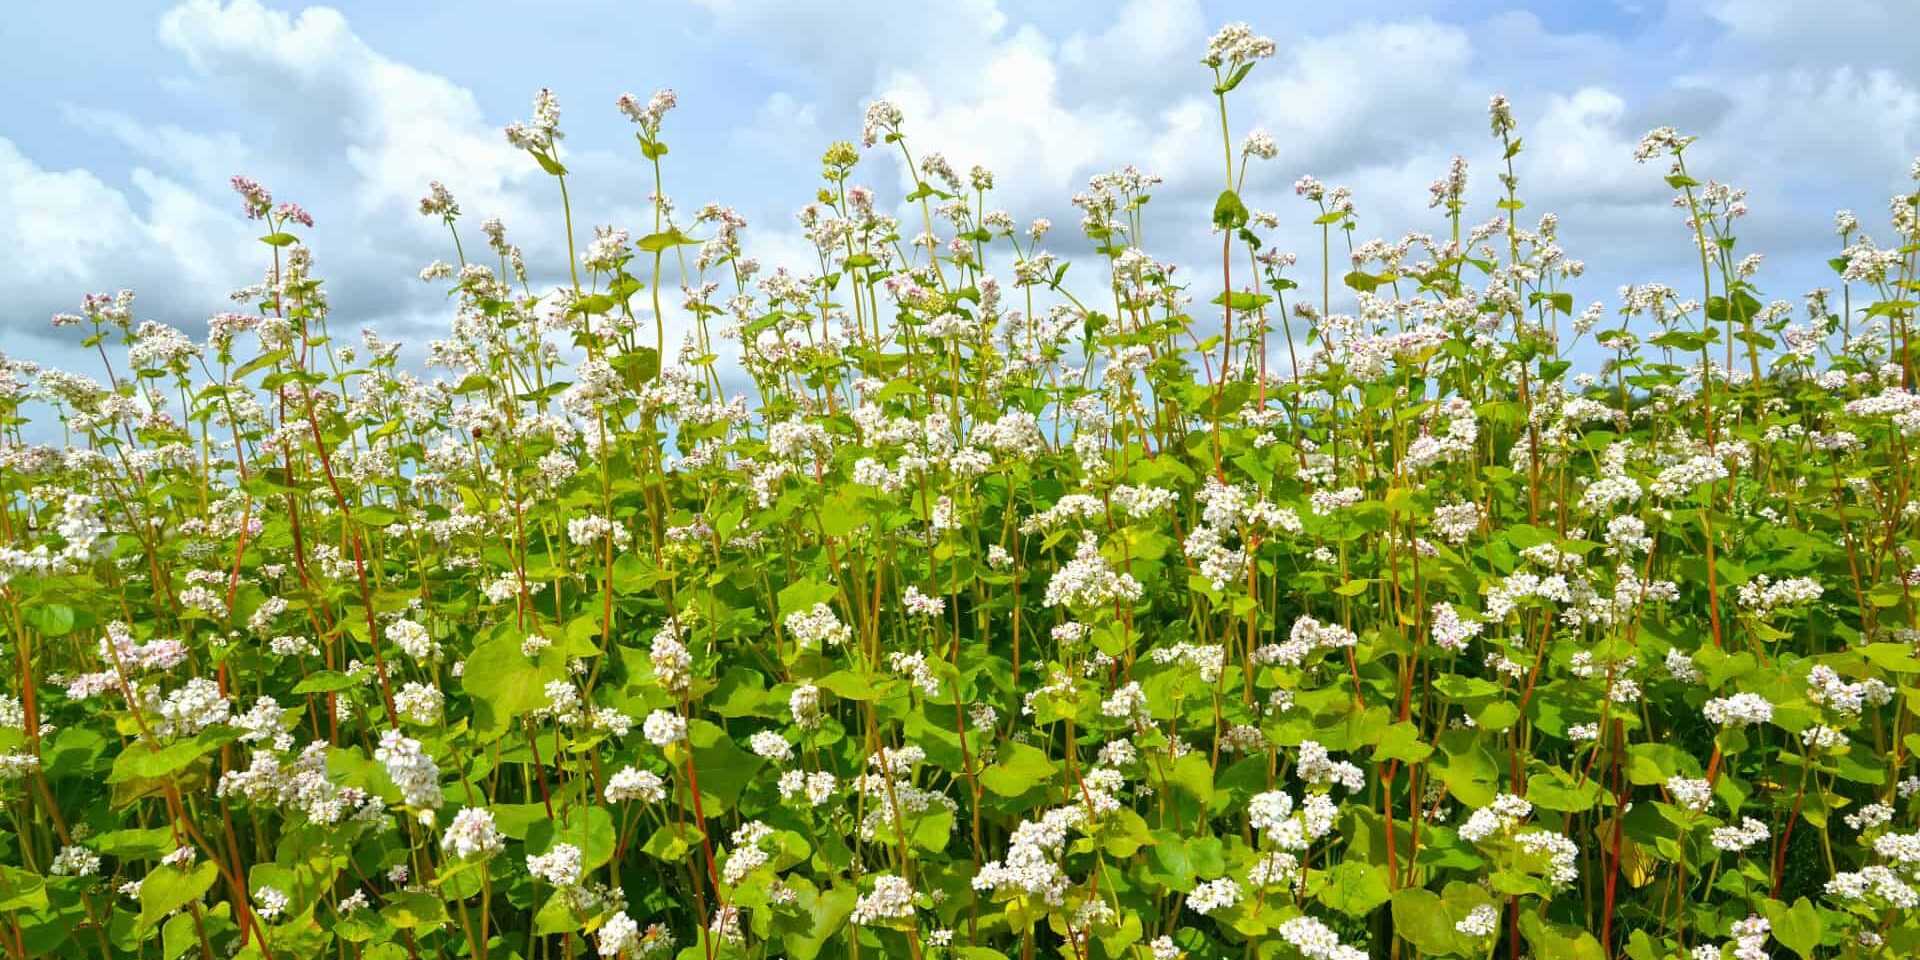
[(1895, 657), (672, 841), (932, 829), (409, 910), (549, 164), (21, 890), (1557, 791), (324, 681), (375, 515), (177, 936), (51, 619), (1179, 862), (259, 363), (722, 767), (134, 843), (800, 595), (1234, 79), (505, 683), (1229, 213), (1019, 769), (1798, 928), (1497, 716), (1355, 888), (1124, 832), (639, 366), (658, 242), (144, 761), (740, 693), (826, 913), (1421, 917), (848, 685), (167, 889), (1552, 941), (1402, 742), (590, 828), (1193, 776)]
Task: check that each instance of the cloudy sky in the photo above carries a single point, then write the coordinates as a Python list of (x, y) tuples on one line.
[(125, 120)]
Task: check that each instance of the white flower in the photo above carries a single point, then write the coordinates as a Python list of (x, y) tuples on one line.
[(1235, 44), (1267, 811), (1213, 895), (818, 627), (410, 769), (804, 705), (618, 935), (630, 784), (472, 834), (1739, 710), (413, 640), (1763, 596), (770, 746), (1563, 857), (914, 667), (1695, 795), (672, 664), (271, 902), (559, 866), (664, 727), (920, 604), (75, 861), (1735, 839), (1481, 921), (1505, 812), (1088, 580), (1316, 767), (419, 703), (891, 899), (1316, 942)]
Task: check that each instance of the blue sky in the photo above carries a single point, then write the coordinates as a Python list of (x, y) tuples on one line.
[(125, 119)]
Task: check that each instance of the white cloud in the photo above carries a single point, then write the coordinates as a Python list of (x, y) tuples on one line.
[(834, 47), (67, 233), (197, 157), (312, 78), (1810, 32), (1139, 49), (328, 121), (1579, 151), (785, 128), (1011, 120), (1369, 94)]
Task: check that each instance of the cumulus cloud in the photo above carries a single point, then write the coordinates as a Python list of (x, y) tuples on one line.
[(337, 117), (1137, 51), (311, 83), (67, 232), (321, 117)]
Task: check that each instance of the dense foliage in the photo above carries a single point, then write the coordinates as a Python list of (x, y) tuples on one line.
[(1137, 615)]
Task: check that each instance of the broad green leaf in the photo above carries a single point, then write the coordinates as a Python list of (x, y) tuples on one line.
[(166, 889), (1798, 927), (1019, 769)]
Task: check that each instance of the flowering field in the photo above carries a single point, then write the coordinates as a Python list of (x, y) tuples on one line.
[(927, 601)]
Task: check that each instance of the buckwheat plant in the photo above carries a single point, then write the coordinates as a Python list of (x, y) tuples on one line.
[(920, 603)]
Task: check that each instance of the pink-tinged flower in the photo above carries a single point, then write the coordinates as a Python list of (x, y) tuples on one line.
[(254, 198), (294, 213)]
